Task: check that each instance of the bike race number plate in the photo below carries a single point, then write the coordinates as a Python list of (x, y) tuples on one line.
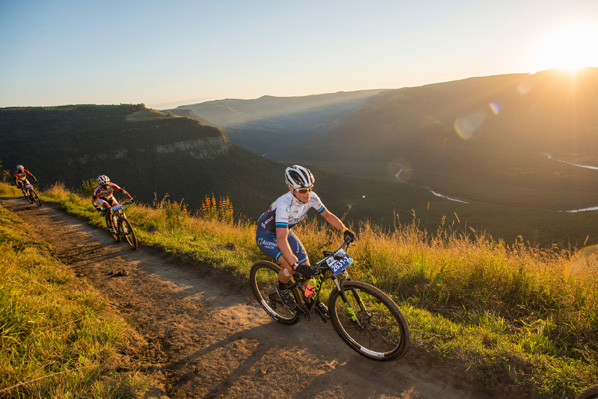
[(117, 208), (337, 266)]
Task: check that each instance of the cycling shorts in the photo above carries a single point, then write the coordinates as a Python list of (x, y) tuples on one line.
[(266, 242)]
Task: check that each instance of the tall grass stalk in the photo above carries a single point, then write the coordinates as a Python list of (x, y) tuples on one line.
[(511, 313)]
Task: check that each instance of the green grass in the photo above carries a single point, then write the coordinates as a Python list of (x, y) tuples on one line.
[(57, 338), (147, 115), (511, 314)]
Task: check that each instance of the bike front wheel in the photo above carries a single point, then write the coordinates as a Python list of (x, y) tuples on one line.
[(264, 277), (126, 230), (34, 197), (27, 195), (112, 224), (369, 321)]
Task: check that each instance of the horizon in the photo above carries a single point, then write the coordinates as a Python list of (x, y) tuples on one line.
[(133, 53)]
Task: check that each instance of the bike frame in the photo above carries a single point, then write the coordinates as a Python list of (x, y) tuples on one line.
[(338, 282)]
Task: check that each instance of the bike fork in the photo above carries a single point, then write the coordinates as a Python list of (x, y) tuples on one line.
[(347, 304)]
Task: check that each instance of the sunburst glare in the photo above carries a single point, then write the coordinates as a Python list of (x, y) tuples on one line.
[(569, 48)]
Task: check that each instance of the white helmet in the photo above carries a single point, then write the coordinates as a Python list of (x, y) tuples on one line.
[(103, 180), (297, 177), (20, 167)]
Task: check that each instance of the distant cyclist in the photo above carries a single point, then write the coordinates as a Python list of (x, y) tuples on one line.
[(103, 197), (275, 238), (21, 177)]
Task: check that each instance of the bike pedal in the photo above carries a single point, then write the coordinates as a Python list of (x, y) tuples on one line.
[(304, 311), (324, 315)]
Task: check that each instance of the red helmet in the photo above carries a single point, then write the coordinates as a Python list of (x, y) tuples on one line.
[(103, 180)]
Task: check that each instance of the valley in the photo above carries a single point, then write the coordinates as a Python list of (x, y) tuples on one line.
[(470, 153)]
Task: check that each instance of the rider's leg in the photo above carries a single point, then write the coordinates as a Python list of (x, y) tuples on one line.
[(266, 241), (286, 271)]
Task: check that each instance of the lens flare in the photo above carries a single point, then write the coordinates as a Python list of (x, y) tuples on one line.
[(467, 127), (590, 251), (494, 107), (524, 87)]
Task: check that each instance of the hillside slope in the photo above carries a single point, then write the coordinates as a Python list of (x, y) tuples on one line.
[(269, 124), (492, 139), (146, 151)]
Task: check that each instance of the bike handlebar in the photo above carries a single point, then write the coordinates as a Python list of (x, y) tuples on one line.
[(319, 269)]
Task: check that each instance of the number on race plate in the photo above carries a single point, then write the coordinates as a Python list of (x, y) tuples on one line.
[(337, 266), (117, 208)]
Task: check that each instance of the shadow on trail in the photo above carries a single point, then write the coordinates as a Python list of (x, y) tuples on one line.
[(325, 372)]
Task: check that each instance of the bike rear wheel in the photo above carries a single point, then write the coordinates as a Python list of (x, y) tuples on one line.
[(264, 277), (370, 322), (589, 393), (35, 198), (126, 230)]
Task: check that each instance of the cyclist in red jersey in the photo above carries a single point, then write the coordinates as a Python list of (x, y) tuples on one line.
[(103, 197), (21, 177)]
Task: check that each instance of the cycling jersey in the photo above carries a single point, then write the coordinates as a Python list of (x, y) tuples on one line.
[(102, 195), (287, 211), (21, 177)]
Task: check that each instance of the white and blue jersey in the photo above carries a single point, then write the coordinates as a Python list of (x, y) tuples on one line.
[(285, 212)]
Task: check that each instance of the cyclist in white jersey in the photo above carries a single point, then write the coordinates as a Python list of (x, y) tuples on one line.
[(275, 239)]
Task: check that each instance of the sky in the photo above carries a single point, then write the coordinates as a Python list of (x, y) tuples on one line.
[(169, 53)]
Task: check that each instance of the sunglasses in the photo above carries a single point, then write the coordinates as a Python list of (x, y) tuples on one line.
[(304, 190)]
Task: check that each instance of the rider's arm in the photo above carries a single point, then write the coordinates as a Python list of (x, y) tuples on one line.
[(332, 219), (31, 174), (95, 199), (121, 190)]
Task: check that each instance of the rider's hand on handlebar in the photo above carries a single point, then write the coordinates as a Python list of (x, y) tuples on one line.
[(130, 201), (306, 270), (348, 235)]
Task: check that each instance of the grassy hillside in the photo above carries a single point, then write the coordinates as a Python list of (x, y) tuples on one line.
[(483, 139), (513, 315), (57, 337)]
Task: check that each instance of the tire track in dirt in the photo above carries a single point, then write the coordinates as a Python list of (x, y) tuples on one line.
[(203, 336)]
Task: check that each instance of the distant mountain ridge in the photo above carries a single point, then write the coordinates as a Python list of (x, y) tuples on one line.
[(269, 124)]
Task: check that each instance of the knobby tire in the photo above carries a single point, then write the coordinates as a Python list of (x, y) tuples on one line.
[(589, 393), (126, 230), (384, 333), (35, 198), (112, 221), (264, 277)]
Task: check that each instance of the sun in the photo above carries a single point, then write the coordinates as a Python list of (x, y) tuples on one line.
[(568, 48)]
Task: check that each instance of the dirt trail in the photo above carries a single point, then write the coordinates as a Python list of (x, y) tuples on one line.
[(204, 336)]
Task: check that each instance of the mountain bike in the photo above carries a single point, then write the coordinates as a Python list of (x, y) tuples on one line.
[(367, 319), (30, 194), (119, 225), (589, 393)]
